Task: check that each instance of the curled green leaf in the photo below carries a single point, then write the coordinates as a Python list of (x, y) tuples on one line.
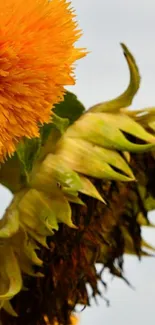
[(125, 99)]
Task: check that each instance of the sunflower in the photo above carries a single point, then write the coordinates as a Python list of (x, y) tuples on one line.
[(82, 196), (37, 56)]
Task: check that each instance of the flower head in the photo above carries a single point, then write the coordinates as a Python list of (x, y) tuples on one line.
[(37, 53)]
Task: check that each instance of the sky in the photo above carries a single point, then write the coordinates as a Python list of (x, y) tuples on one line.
[(102, 75)]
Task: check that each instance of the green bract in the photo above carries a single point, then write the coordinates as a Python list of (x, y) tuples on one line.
[(52, 176)]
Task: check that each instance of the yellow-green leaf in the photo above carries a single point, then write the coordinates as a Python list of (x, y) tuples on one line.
[(11, 268), (9, 224), (89, 189), (53, 169), (9, 309), (104, 129), (87, 159)]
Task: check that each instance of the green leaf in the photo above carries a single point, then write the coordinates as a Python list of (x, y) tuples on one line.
[(105, 129), (125, 99), (74, 199), (9, 309), (86, 158), (58, 126), (42, 212), (9, 225), (60, 123), (128, 125), (14, 174), (25, 247), (29, 249), (70, 108), (27, 152), (32, 204), (67, 111), (10, 266), (89, 189), (53, 168), (60, 211), (41, 239)]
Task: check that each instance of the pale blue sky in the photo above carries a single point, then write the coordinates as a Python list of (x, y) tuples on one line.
[(101, 75)]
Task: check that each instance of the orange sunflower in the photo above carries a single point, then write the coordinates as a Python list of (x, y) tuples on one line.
[(37, 53)]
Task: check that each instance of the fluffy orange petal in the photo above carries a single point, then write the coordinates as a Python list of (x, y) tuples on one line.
[(37, 54)]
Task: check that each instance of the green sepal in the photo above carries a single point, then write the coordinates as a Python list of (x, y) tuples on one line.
[(9, 309), (125, 99)]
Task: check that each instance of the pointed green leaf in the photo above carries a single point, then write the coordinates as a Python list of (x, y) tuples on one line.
[(74, 199), (9, 224), (39, 238), (27, 267), (114, 159), (53, 168), (89, 189), (42, 212), (102, 129), (30, 207), (9, 309), (28, 151), (87, 159), (128, 125), (126, 98), (61, 210), (24, 247), (10, 266), (29, 249), (147, 245)]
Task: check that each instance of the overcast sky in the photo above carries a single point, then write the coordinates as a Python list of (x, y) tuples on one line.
[(102, 75)]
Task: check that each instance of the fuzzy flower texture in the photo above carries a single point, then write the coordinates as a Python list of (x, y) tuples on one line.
[(37, 53)]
